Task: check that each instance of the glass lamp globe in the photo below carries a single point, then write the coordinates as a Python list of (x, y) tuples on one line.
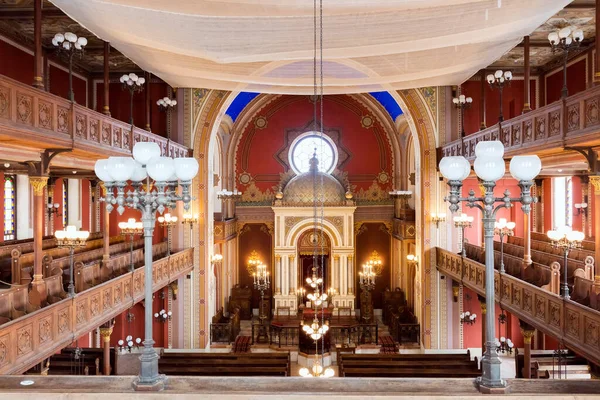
[(121, 168), (490, 78), (453, 168), (498, 74), (186, 168), (553, 37), (144, 151), (139, 173), (490, 148), (564, 32), (525, 168), (511, 225), (101, 168), (160, 168), (489, 169)]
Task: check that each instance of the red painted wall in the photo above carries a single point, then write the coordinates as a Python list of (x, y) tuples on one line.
[(58, 198), (368, 148), (575, 81), (119, 103), (374, 239), (16, 64), (512, 101), (85, 205), (59, 85)]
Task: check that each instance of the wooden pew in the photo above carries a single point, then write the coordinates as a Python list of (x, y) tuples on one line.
[(544, 364), (90, 362), (225, 364), (408, 365)]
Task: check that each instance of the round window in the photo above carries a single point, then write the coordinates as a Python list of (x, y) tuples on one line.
[(306, 145)]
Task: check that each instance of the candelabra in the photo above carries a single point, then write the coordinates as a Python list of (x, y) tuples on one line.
[(253, 262), (71, 238), (502, 229), (262, 282), (189, 219), (53, 209), (375, 263), (463, 221), (437, 218), (504, 345), (301, 292), (163, 316), (147, 165), (216, 259), (467, 318), (134, 84), (565, 40), (498, 80), (128, 344), (131, 229), (168, 221), (71, 44), (489, 167), (367, 283), (166, 104), (581, 208), (412, 259), (228, 196), (462, 103), (565, 239)]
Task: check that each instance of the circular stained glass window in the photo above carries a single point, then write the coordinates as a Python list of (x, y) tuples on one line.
[(306, 145)]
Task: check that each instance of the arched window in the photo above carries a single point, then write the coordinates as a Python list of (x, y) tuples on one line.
[(562, 201), (65, 210), (10, 205), (304, 147)]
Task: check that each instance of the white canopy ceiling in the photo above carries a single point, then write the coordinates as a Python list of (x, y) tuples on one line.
[(267, 45)]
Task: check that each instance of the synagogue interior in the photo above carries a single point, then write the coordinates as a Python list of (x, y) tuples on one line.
[(213, 197)]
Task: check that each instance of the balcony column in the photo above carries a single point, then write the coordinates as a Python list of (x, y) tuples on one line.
[(482, 100), (350, 276), (105, 333), (527, 71), (527, 331), (595, 182), (106, 108), (483, 322), (39, 207), (106, 232), (147, 98), (38, 66)]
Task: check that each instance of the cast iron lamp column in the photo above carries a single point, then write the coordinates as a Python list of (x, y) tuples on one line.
[(166, 104), (71, 238), (565, 40), (489, 167), (134, 84), (503, 228), (156, 195), (498, 80), (71, 44), (130, 229), (566, 239)]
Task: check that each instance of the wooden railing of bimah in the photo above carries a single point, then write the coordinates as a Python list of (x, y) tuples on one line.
[(571, 122), (32, 115), (574, 324), (35, 337)]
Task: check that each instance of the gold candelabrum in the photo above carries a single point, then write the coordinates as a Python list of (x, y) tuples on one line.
[(189, 219), (463, 221), (566, 239), (503, 228), (71, 238), (168, 221), (436, 218), (253, 262), (262, 282), (130, 229)]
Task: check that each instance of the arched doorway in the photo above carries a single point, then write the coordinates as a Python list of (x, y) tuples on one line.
[(313, 249)]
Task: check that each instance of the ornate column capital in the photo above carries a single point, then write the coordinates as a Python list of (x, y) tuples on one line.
[(105, 333), (102, 188), (336, 257), (595, 181), (38, 183), (527, 335)]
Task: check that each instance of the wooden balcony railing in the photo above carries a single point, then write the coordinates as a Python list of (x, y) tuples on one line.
[(571, 122), (35, 118), (34, 337), (577, 326), (225, 230)]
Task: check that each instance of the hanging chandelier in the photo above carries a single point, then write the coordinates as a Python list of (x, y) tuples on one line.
[(315, 330), (317, 298), (314, 281), (316, 371)]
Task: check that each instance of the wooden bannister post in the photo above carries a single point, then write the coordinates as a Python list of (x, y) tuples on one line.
[(483, 318), (39, 207), (595, 181), (527, 331), (482, 126), (105, 332), (38, 66), (106, 108), (527, 71)]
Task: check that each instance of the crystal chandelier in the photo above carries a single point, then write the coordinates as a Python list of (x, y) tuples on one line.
[(314, 281), (317, 298), (315, 330)]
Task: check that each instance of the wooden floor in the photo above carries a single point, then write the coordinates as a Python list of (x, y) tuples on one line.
[(84, 388)]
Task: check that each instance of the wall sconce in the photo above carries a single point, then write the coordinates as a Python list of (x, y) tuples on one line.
[(412, 259), (437, 218), (53, 209), (163, 316), (581, 208), (216, 259)]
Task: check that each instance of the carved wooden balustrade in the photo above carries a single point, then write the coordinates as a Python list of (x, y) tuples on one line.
[(29, 340), (577, 326), (571, 122), (38, 119), (225, 230)]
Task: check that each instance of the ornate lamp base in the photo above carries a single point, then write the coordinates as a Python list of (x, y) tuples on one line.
[(156, 386)]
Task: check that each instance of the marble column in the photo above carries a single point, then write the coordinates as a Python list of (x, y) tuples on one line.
[(105, 333), (39, 209), (342, 278), (277, 274), (285, 275), (293, 271), (350, 275), (335, 281)]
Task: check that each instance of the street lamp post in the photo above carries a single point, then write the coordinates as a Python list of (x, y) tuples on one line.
[(499, 80), (169, 222), (164, 172), (131, 228), (565, 40), (565, 239), (489, 167), (134, 84), (71, 44), (503, 228), (463, 221), (71, 238)]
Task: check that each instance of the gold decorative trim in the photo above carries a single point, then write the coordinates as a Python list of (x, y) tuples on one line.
[(38, 183), (595, 181)]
